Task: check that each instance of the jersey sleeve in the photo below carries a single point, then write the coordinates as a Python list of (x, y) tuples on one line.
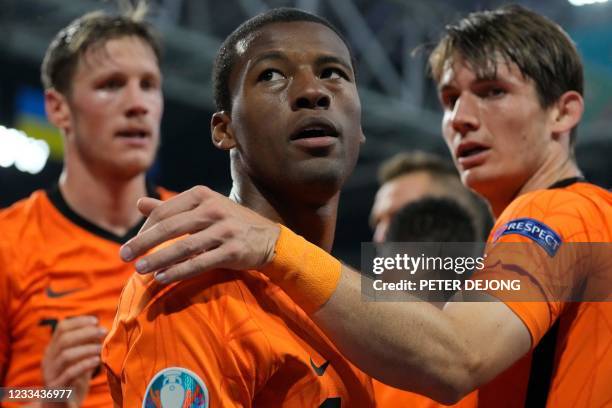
[(536, 241)]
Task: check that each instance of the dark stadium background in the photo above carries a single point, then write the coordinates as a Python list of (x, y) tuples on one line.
[(399, 102)]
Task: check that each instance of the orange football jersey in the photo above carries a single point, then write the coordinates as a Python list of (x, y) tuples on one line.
[(550, 222), (224, 339), (54, 264)]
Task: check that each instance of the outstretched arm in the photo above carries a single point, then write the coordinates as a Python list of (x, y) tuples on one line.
[(443, 354), (412, 345)]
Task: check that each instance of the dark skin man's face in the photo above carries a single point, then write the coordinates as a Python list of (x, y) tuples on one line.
[(296, 115)]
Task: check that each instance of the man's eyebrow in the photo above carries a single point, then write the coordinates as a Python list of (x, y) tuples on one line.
[(270, 55), (327, 59), (477, 81)]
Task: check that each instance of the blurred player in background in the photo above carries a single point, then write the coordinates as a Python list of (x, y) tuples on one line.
[(432, 220), (510, 82), (410, 176), (289, 114), (60, 275)]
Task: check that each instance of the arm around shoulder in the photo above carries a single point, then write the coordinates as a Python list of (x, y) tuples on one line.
[(415, 346)]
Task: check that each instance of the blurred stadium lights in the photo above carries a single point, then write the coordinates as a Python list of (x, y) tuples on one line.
[(585, 2), (29, 155)]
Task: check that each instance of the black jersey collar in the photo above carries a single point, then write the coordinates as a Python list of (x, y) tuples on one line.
[(58, 201), (566, 182)]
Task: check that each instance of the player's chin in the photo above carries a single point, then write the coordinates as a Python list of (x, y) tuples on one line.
[(324, 168), (134, 166), (328, 181), (477, 178), (144, 157)]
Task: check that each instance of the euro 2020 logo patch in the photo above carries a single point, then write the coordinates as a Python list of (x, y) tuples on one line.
[(176, 387)]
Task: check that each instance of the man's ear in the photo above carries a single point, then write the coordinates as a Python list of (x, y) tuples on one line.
[(58, 110), (221, 131), (567, 112), (362, 138)]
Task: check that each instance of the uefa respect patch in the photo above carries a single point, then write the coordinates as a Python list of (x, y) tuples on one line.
[(535, 230), (176, 387)]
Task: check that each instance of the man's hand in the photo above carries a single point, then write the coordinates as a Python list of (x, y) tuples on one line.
[(222, 234), (72, 356)]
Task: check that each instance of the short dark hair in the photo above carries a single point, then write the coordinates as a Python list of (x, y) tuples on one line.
[(410, 162), (91, 29), (436, 220), (432, 220), (445, 173), (540, 48), (227, 55)]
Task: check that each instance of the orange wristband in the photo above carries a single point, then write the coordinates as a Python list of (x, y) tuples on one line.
[(307, 273)]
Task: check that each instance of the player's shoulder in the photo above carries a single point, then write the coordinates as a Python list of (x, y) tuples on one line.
[(21, 213), (219, 299), (580, 212), (222, 304), (216, 301), (234, 291), (547, 201), (20, 224), (20, 236)]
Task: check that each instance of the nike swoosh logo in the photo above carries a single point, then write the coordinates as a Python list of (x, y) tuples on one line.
[(320, 370), (53, 294)]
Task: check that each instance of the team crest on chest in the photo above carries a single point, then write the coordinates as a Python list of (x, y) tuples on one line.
[(176, 387)]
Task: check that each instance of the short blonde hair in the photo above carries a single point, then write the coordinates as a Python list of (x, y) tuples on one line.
[(91, 29)]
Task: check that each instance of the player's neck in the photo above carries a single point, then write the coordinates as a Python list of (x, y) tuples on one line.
[(107, 202), (316, 223), (548, 174)]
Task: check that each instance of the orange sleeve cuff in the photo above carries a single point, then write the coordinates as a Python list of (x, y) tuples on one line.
[(307, 273)]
